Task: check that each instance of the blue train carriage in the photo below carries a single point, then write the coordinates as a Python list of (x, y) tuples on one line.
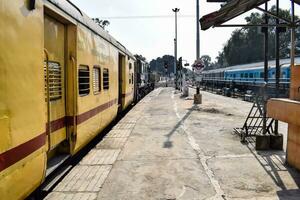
[(255, 72), (248, 77)]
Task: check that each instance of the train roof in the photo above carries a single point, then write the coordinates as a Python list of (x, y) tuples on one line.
[(250, 66), (74, 12)]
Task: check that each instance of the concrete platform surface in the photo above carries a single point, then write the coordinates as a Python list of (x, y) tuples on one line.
[(166, 148)]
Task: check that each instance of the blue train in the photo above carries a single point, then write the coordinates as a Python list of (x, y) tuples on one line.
[(257, 73), (253, 72)]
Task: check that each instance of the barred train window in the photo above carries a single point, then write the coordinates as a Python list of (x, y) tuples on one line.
[(96, 79), (55, 80), (83, 80), (105, 79)]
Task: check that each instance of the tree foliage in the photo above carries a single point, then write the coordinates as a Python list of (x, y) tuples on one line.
[(158, 64), (101, 23), (246, 45)]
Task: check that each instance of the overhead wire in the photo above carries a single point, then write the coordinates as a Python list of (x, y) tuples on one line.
[(146, 17)]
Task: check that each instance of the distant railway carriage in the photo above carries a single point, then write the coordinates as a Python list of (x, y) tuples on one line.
[(256, 73), (144, 82), (248, 78), (63, 79), (250, 72)]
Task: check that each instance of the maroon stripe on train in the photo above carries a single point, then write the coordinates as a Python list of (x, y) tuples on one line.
[(126, 95), (56, 125), (91, 113), (87, 115), (20, 152)]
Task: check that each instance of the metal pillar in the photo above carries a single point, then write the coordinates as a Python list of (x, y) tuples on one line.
[(198, 30), (175, 10), (175, 65), (266, 56), (293, 34), (198, 38), (277, 61)]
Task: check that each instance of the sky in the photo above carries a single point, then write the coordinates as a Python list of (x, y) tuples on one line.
[(154, 37)]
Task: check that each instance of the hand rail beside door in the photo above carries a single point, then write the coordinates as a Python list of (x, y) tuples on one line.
[(48, 126)]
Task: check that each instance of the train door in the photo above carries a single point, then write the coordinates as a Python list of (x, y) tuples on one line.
[(135, 81), (55, 43), (121, 81)]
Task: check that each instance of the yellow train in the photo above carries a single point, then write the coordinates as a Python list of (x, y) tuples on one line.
[(63, 79)]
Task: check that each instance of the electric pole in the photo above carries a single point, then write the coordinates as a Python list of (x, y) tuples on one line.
[(198, 30), (175, 10), (198, 39)]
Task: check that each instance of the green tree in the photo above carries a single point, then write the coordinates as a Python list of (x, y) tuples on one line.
[(101, 23), (158, 64), (246, 45), (206, 59)]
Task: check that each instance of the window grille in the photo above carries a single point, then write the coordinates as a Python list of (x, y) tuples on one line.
[(83, 80), (55, 81), (105, 79), (96, 79)]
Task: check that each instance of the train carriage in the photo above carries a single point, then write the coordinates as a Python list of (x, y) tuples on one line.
[(63, 79), (250, 72), (143, 81)]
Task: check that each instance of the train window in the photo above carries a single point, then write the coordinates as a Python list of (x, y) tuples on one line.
[(105, 79), (246, 75), (96, 79), (251, 75), (84, 80), (283, 73), (262, 74), (55, 81), (242, 75)]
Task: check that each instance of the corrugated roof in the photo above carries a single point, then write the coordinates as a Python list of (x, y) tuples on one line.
[(82, 18), (229, 11)]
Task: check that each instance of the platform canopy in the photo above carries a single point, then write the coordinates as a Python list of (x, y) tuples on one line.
[(230, 10)]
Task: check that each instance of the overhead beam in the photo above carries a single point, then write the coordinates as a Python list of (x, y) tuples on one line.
[(273, 15), (217, 1), (253, 25)]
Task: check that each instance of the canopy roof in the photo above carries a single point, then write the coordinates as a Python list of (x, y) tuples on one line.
[(230, 10)]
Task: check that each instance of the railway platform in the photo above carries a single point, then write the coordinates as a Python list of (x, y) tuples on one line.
[(168, 148)]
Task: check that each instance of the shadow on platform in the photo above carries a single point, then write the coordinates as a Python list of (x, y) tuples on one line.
[(168, 143), (274, 163)]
